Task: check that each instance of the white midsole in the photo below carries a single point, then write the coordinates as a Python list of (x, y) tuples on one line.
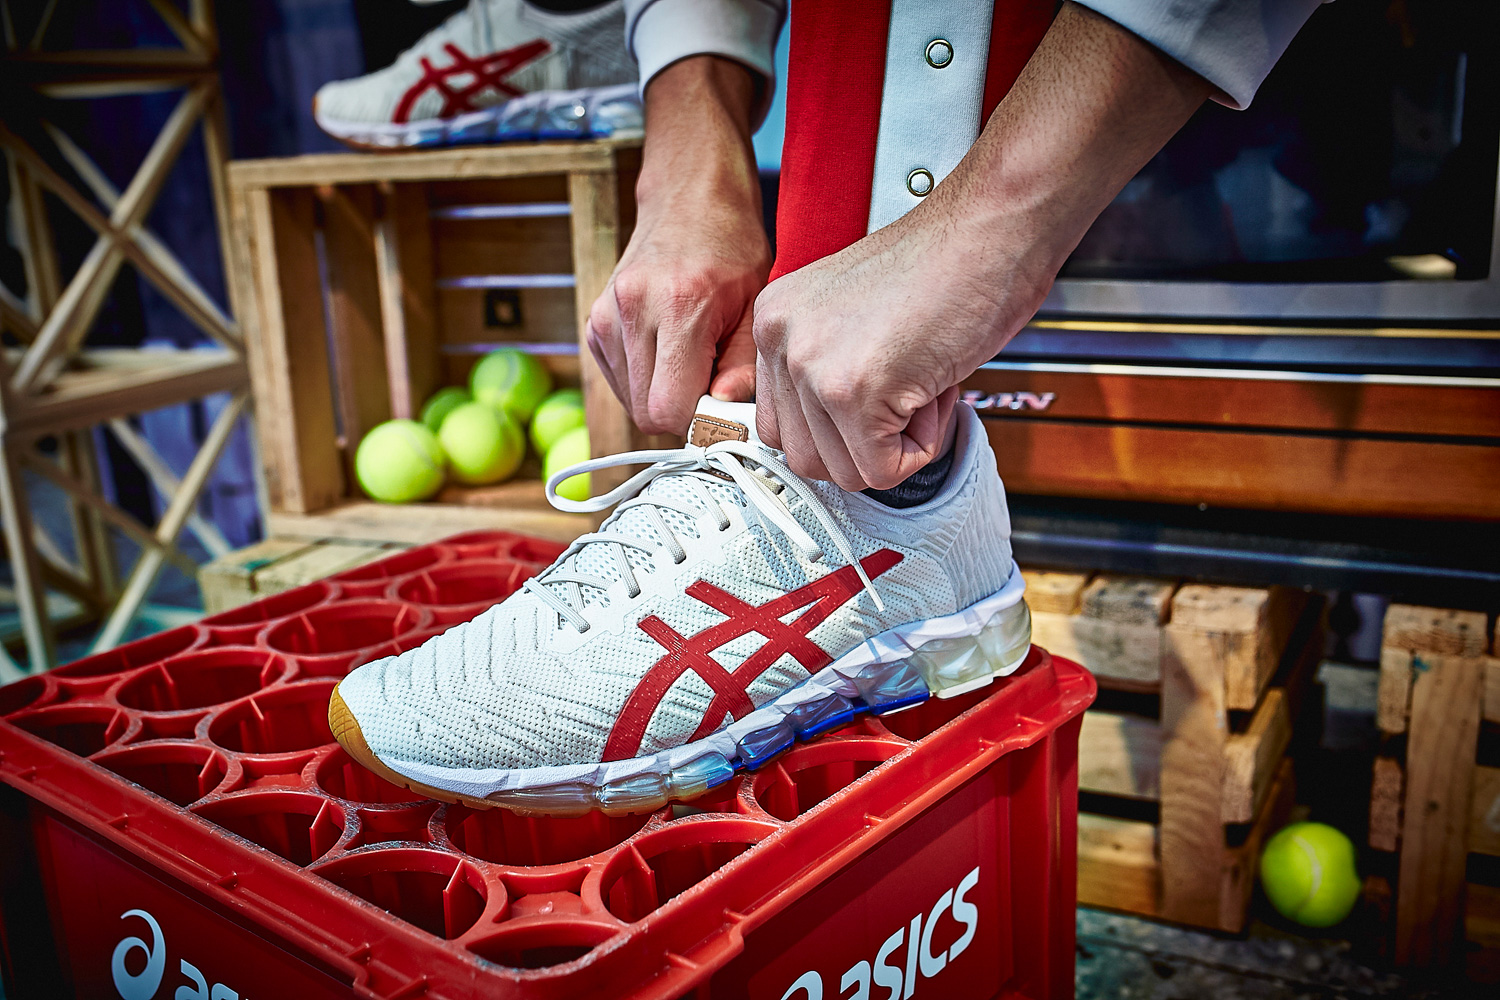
[(887, 647)]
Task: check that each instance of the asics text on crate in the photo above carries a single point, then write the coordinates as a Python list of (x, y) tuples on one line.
[(725, 610)]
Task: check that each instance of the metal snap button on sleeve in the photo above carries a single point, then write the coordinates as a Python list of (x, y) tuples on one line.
[(919, 182), (939, 53)]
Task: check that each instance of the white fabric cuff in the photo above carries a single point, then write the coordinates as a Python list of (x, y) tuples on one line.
[(1230, 43), (661, 32)]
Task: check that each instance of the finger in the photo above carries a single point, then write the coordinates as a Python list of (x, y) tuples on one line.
[(796, 437), (928, 428), (765, 413), (596, 348), (684, 365), (734, 375), (605, 337), (828, 437)]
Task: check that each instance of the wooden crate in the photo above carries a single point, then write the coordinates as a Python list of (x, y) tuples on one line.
[(278, 564), (1182, 762), (1431, 801), (367, 282)]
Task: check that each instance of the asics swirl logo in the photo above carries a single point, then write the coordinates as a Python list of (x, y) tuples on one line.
[(466, 77), (731, 688), (142, 985), (906, 957)]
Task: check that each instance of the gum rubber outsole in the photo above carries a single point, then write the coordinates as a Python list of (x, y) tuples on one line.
[(941, 667)]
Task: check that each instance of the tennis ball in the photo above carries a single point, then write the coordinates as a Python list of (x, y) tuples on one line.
[(1308, 873), (511, 380), (559, 413), (399, 461), (570, 449), (483, 444), (442, 403)]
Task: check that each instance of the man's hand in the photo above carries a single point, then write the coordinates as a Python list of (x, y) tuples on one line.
[(675, 320), (861, 353)]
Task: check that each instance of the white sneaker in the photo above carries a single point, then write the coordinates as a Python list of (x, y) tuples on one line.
[(498, 69), (723, 611)]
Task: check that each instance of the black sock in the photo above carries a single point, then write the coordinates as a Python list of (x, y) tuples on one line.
[(919, 487)]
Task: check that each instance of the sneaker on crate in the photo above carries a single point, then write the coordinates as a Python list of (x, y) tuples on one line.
[(727, 608), (496, 70)]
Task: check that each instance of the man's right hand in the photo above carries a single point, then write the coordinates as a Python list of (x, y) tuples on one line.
[(675, 320)]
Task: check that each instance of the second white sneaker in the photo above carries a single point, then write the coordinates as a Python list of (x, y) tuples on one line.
[(725, 610)]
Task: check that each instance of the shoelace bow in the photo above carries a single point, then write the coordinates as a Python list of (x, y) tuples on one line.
[(727, 457)]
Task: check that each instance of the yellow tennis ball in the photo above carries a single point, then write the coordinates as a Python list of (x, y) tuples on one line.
[(1308, 873), (559, 413), (570, 449), (442, 403), (511, 380), (483, 444), (399, 461)]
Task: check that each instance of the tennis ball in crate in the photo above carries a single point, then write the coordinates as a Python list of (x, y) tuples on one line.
[(570, 449), (1308, 873), (511, 380), (399, 461), (559, 413), (483, 444), (442, 403)]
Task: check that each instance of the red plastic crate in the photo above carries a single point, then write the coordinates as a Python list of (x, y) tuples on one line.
[(178, 817)]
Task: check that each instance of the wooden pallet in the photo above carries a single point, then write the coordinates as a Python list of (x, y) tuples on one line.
[(1199, 687), (1431, 801), (367, 282), (278, 564)]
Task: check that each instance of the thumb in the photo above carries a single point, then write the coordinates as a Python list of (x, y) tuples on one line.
[(734, 371)]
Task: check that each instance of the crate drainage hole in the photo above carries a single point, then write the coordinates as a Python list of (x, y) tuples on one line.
[(470, 583), (542, 946), (293, 825), (83, 730), (667, 863), (179, 772), (340, 775), (198, 680), (502, 837), (437, 892), (280, 721), (790, 786), (343, 627)]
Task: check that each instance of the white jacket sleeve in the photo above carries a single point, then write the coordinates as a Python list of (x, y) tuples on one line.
[(660, 32), (1230, 43)]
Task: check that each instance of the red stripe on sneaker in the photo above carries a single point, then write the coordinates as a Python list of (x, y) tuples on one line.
[(487, 71), (731, 687)]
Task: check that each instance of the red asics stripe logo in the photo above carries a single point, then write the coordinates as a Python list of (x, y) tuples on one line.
[(731, 688), (487, 71)]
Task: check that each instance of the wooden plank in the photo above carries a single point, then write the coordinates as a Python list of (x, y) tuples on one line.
[(1393, 696), (1195, 724), (315, 563), (527, 245), (1128, 600), (547, 315), (403, 255), (1119, 755), (1122, 656), (1052, 592), (1441, 747), (25, 567), (294, 401), (1254, 624), (1482, 915), (1240, 862), (508, 160), (229, 582), (1251, 758), (1492, 687), (1484, 814), (1117, 865), (1387, 792), (1434, 630), (354, 315)]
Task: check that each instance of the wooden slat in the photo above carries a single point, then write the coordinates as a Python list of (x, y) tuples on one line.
[(294, 402), (1051, 592), (1238, 872), (1492, 687), (1117, 865), (1253, 626), (1434, 630), (1443, 740), (315, 563), (403, 259), (467, 247), (1128, 600), (1387, 791), (1252, 757), (416, 523), (1195, 726), (1116, 632), (1119, 755), (516, 160), (354, 315), (548, 315), (1393, 696)]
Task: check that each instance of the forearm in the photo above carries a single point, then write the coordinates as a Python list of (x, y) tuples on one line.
[(1093, 105), (697, 148)]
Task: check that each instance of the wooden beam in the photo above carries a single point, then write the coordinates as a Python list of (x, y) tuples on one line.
[(1393, 696), (1051, 592), (180, 26), (167, 484), (1116, 631), (354, 315), (229, 581), (1434, 630), (1117, 865), (1251, 758), (408, 298), (31, 597), (510, 160), (1119, 755), (1254, 625), (1387, 791), (1443, 741)]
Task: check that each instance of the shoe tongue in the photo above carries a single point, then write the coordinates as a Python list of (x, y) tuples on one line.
[(718, 421)]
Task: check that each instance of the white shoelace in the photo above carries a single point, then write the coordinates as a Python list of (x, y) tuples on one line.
[(726, 457)]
